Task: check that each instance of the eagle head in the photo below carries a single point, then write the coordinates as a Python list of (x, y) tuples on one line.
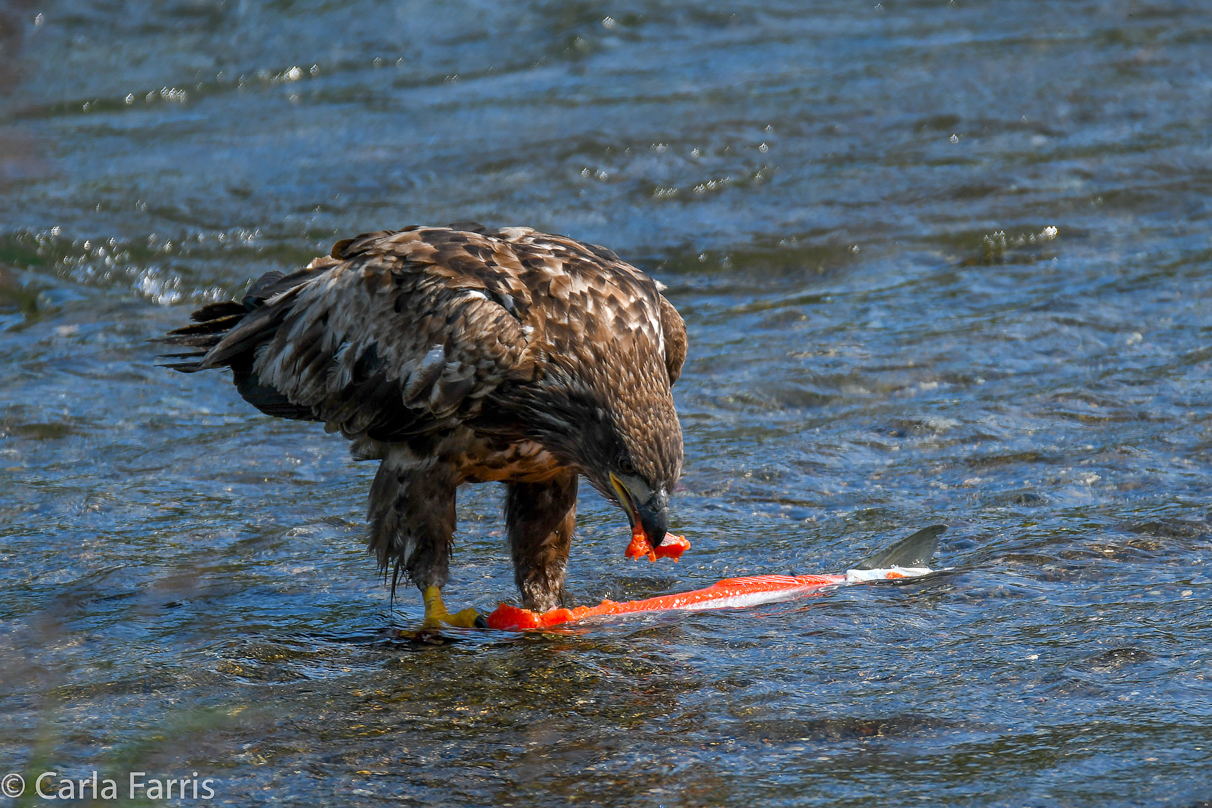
[(645, 504), (632, 454), (610, 416)]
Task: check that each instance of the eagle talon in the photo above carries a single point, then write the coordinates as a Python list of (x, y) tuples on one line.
[(436, 615)]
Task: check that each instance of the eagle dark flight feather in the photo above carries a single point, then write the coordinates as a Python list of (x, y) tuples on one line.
[(462, 354)]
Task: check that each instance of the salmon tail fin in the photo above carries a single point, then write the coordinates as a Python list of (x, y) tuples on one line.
[(915, 551)]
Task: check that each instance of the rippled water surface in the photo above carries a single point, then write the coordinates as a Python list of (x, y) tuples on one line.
[(940, 262)]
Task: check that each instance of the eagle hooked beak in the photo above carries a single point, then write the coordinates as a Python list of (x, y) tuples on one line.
[(650, 509)]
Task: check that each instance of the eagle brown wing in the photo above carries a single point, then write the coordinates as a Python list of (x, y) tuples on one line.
[(394, 335), (674, 328), (402, 333), (595, 305)]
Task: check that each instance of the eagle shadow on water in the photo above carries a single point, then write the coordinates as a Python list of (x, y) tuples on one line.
[(463, 354)]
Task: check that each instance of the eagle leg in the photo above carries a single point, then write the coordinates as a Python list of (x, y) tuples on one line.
[(540, 518), (412, 519)]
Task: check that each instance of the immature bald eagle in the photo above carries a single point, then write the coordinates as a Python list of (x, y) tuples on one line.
[(464, 355)]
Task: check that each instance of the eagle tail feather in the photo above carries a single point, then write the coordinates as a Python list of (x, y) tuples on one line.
[(227, 333), (210, 324)]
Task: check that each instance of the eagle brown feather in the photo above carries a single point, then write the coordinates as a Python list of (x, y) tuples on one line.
[(462, 354)]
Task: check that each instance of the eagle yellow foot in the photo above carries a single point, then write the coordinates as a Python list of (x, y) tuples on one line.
[(436, 615)]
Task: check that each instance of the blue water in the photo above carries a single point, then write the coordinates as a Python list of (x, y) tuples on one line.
[(939, 262)]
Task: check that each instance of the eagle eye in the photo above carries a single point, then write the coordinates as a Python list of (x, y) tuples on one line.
[(626, 466)]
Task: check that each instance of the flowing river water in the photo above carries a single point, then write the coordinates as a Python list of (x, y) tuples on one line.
[(939, 262)]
